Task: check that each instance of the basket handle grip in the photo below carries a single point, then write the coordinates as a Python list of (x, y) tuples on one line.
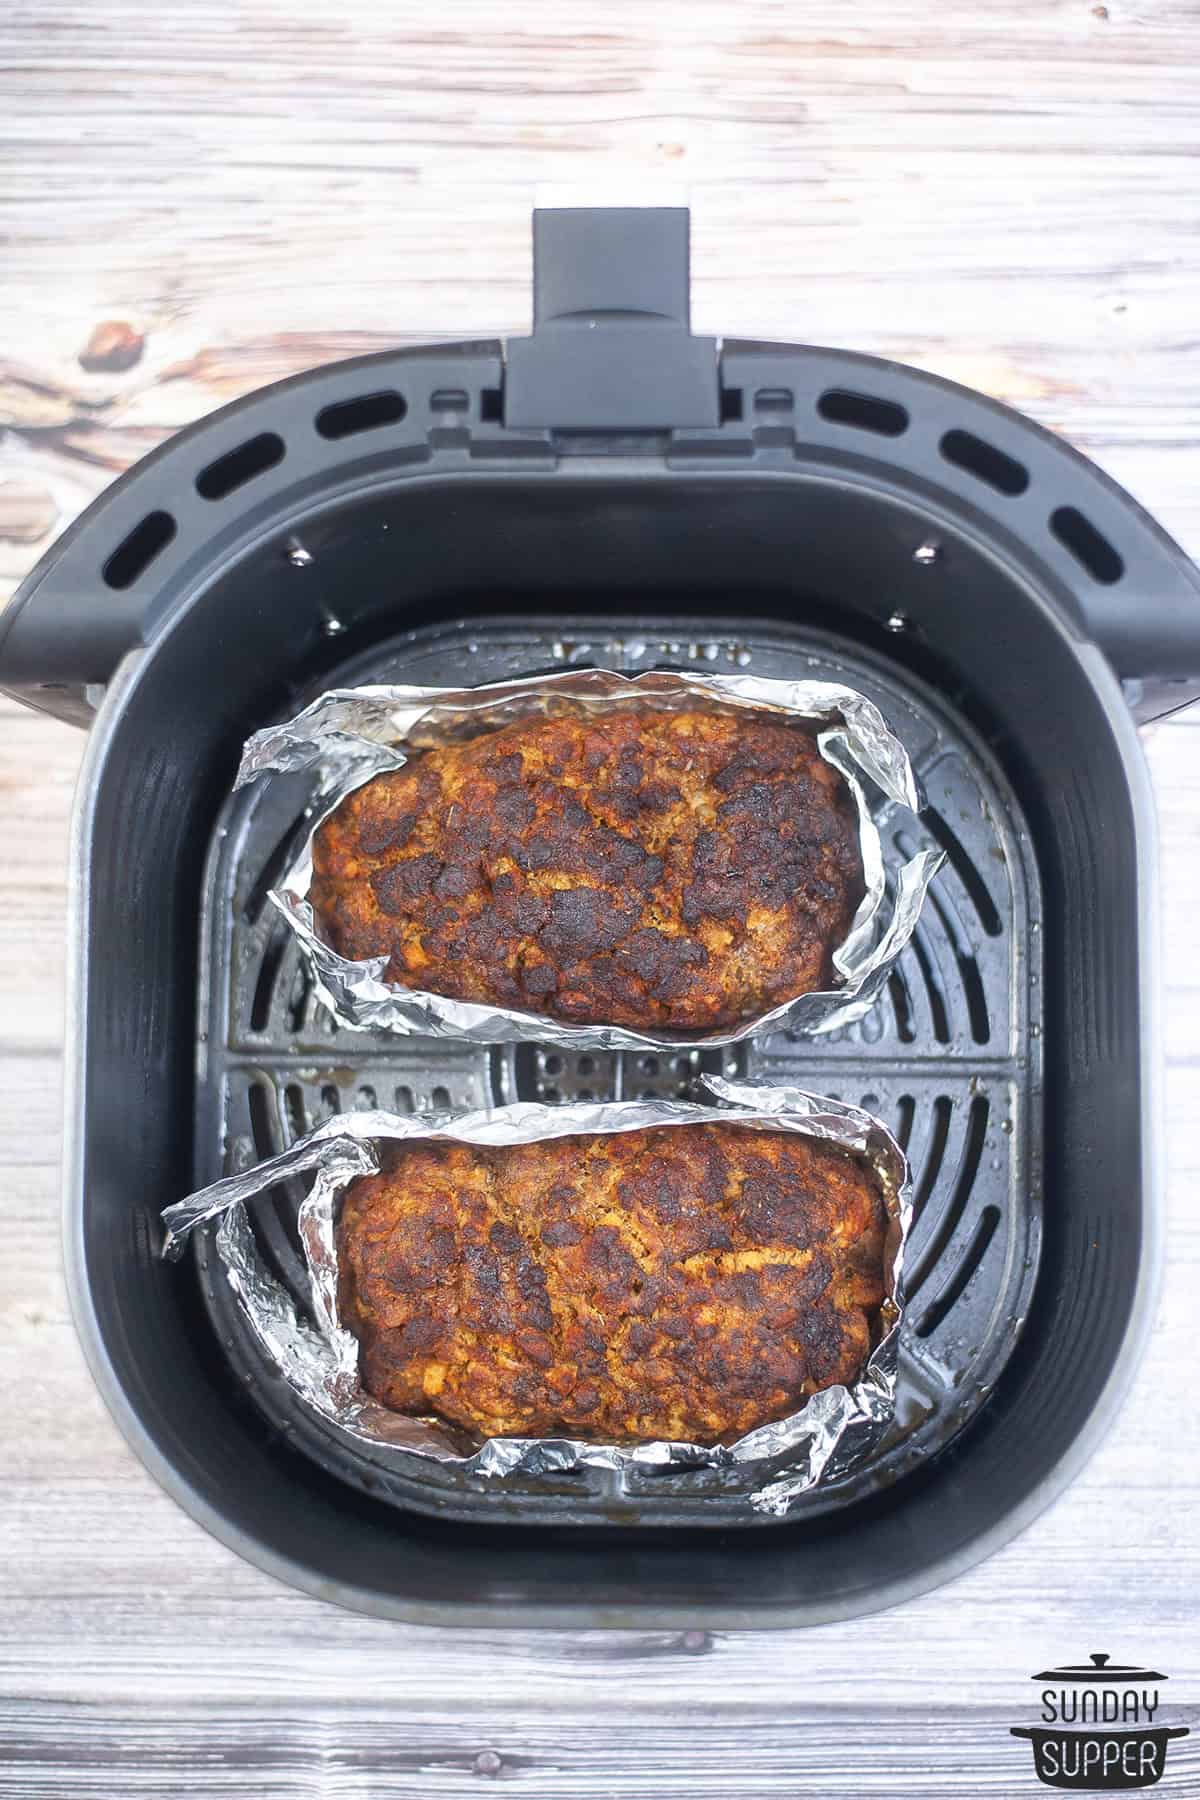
[(612, 348)]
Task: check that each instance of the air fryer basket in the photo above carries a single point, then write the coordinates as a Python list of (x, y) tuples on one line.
[(952, 1063), (613, 490)]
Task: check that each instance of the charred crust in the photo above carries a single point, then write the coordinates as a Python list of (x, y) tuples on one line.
[(672, 871), (693, 1281)]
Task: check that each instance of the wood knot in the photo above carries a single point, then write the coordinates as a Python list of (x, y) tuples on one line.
[(113, 347), (28, 511)]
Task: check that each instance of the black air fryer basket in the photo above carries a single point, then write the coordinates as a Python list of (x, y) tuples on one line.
[(614, 491)]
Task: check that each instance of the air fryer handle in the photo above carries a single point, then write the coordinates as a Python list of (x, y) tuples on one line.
[(611, 353), (612, 348), (1157, 697), (152, 540), (61, 639), (1147, 623)]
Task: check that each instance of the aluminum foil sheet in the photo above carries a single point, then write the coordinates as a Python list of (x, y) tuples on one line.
[(350, 735), (829, 1436)]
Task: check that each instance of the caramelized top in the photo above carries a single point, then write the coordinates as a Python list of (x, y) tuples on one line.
[(687, 1281), (668, 871)]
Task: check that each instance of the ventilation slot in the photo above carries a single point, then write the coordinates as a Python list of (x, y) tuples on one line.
[(952, 1293), (905, 1030), (530, 1069), (552, 1076), (935, 987), (648, 1067), (731, 405), (983, 460), (134, 555), (274, 1213), (1090, 550), (366, 412), (263, 1121), (297, 1004), (964, 868), (293, 1111), (281, 858), (956, 1206), (585, 1068), (931, 1168), (237, 467), (268, 975), (968, 969), (491, 406), (906, 1112), (865, 412), (958, 941)]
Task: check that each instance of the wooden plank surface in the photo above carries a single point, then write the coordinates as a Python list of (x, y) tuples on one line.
[(199, 198)]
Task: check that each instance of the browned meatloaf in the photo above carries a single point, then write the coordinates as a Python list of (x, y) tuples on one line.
[(687, 1281), (670, 871)]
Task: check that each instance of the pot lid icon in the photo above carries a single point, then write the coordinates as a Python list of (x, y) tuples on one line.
[(1099, 1669)]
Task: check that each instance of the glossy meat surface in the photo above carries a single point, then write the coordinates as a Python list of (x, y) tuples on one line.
[(684, 1282), (672, 871)]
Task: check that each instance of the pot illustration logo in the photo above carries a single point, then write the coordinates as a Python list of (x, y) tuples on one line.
[(1099, 1726)]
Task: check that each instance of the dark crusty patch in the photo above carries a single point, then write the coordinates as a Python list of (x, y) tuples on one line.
[(671, 871), (677, 1282)]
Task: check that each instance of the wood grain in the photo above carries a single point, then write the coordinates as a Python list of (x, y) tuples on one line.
[(1006, 195), (344, 1752)]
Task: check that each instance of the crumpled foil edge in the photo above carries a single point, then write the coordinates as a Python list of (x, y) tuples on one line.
[(349, 735), (828, 1437)]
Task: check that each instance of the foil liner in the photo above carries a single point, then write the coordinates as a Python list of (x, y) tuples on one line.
[(830, 1435), (350, 735)]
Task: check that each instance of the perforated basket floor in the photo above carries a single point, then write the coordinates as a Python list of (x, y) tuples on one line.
[(951, 1060)]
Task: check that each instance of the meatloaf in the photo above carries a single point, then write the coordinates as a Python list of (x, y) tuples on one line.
[(687, 1281), (672, 871)]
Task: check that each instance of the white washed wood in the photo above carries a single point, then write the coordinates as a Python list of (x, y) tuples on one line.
[(1005, 195)]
